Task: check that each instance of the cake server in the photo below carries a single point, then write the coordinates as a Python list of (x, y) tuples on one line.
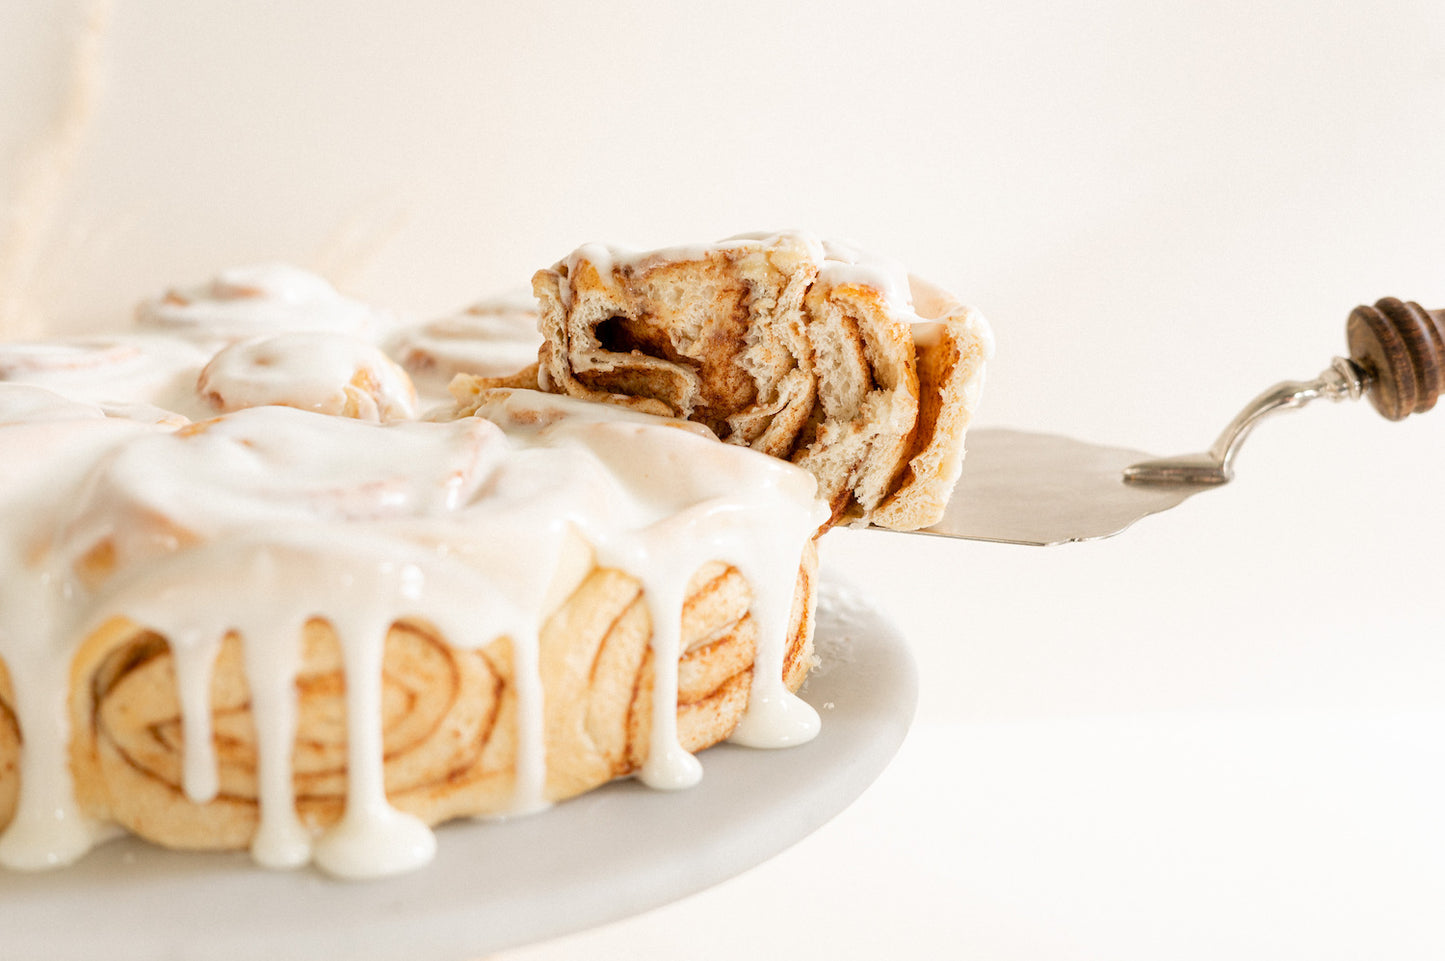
[(1020, 487)]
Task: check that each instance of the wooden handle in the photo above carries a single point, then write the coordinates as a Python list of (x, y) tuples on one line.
[(1401, 348)]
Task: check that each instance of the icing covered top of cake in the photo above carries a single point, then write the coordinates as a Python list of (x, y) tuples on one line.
[(253, 440)]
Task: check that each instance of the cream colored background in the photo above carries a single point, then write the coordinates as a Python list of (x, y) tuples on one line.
[(1218, 735)]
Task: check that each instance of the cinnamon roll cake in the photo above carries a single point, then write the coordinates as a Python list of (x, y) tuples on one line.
[(261, 592)]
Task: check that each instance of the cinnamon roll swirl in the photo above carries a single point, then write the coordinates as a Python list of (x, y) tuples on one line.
[(805, 350)]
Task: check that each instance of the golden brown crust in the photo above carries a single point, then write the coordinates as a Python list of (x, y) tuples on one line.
[(449, 714)]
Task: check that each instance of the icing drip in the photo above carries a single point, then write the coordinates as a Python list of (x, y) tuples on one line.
[(531, 774), (272, 660), (194, 657), (668, 766), (372, 839), (45, 456), (49, 829)]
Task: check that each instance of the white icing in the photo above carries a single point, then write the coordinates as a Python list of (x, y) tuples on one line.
[(26, 404), (118, 370), (837, 263), (608, 257), (361, 525), (45, 459), (844, 263), (193, 657), (933, 303), (491, 338), (259, 299), (64, 360), (327, 373)]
